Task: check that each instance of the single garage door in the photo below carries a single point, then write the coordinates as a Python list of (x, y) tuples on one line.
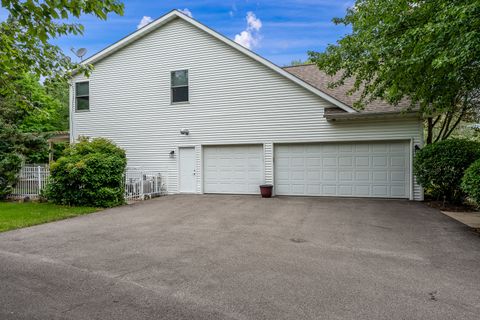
[(233, 169), (361, 169)]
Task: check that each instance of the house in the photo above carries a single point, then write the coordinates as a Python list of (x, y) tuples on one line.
[(215, 117)]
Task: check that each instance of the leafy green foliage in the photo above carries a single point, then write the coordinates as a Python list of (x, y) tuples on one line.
[(439, 167), (298, 62), (426, 51), (471, 182), (25, 122), (44, 113), (15, 149), (25, 35), (90, 173), (10, 165)]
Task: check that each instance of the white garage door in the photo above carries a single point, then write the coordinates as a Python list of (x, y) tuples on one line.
[(372, 169), (233, 169)]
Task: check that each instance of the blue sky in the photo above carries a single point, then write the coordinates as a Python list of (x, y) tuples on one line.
[(280, 31)]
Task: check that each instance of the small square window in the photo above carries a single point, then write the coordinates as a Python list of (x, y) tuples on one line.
[(179, 86), (82, 96)]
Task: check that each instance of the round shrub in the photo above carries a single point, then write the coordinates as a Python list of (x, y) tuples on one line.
[(439, 167), (90, 173), (471, 182)]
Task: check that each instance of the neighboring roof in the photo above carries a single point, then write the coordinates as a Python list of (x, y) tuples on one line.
[(319, 79), (57, 136), (177, 14)]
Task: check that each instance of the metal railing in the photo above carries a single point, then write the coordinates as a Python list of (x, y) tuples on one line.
[(31, 181), (144, 184), (139, 184)]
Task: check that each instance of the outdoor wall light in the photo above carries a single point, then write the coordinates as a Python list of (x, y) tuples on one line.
[(184, 131), (172, 153)]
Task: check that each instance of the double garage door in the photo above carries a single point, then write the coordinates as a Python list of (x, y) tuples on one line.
[(360, 169)]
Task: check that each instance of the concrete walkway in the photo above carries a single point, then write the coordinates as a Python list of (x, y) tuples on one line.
[(243, 257), (471, 219)]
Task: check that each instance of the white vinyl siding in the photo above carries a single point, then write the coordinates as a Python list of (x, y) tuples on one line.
[(233, 100)]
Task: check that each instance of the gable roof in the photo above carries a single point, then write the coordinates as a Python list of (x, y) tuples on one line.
[(320, 80), (175, 14)]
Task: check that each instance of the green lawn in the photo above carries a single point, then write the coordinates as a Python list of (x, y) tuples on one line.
[(15, 215)]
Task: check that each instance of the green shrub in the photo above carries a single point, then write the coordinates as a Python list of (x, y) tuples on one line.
[(11, 155), (90, 173), (439, 167), (10, 165), (471, 182)]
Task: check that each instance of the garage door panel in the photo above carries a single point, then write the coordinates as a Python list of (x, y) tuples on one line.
[(329, 161), (362, 176), (329, 190), (345, 161), (329, 175), (345, 190), (397, 191), (345, 176), (397, 161), (380, 161), (397, 176), (367, 169), (380, 191), (362, 190), (380, 176), (362, 148), (233, 169)]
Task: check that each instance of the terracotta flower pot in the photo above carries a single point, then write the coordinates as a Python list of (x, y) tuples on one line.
[(266, 190)]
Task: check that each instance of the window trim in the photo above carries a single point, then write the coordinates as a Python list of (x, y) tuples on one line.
[(82, 96), (172, 86)]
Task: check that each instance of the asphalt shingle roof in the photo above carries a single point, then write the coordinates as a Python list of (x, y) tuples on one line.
[(319, 79)]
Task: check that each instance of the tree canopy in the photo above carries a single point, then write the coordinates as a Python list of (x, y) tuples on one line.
[(26, 56), (25, 36), (425, 51)]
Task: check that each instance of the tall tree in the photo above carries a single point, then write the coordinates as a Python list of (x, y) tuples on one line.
[(425, 50), (25, 49), (25, 36)]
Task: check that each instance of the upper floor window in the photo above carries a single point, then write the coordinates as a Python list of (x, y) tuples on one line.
[(82, 96), (179, 84)]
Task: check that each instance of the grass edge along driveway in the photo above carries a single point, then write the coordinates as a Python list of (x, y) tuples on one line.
[(15, 215)]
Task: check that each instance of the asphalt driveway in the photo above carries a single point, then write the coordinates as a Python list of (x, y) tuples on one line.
[(243, 257)]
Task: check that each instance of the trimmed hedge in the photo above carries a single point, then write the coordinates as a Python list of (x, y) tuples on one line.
[(90, 173), (471, 182), (439, 167)]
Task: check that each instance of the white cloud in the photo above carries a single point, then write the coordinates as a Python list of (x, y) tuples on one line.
[(187, 12), (250, 37), (145, 20), (252, 21), (233, 10)]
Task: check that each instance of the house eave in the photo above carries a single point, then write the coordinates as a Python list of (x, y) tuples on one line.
[(372, 115)]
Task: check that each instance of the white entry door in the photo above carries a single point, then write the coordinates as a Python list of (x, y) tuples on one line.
[(353, 169), (187, 170), (233, 169)]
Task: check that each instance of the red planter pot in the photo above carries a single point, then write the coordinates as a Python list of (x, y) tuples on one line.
[(266, 190)]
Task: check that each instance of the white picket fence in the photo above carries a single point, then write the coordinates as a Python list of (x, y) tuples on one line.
[(31, 181), (140, 184)]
